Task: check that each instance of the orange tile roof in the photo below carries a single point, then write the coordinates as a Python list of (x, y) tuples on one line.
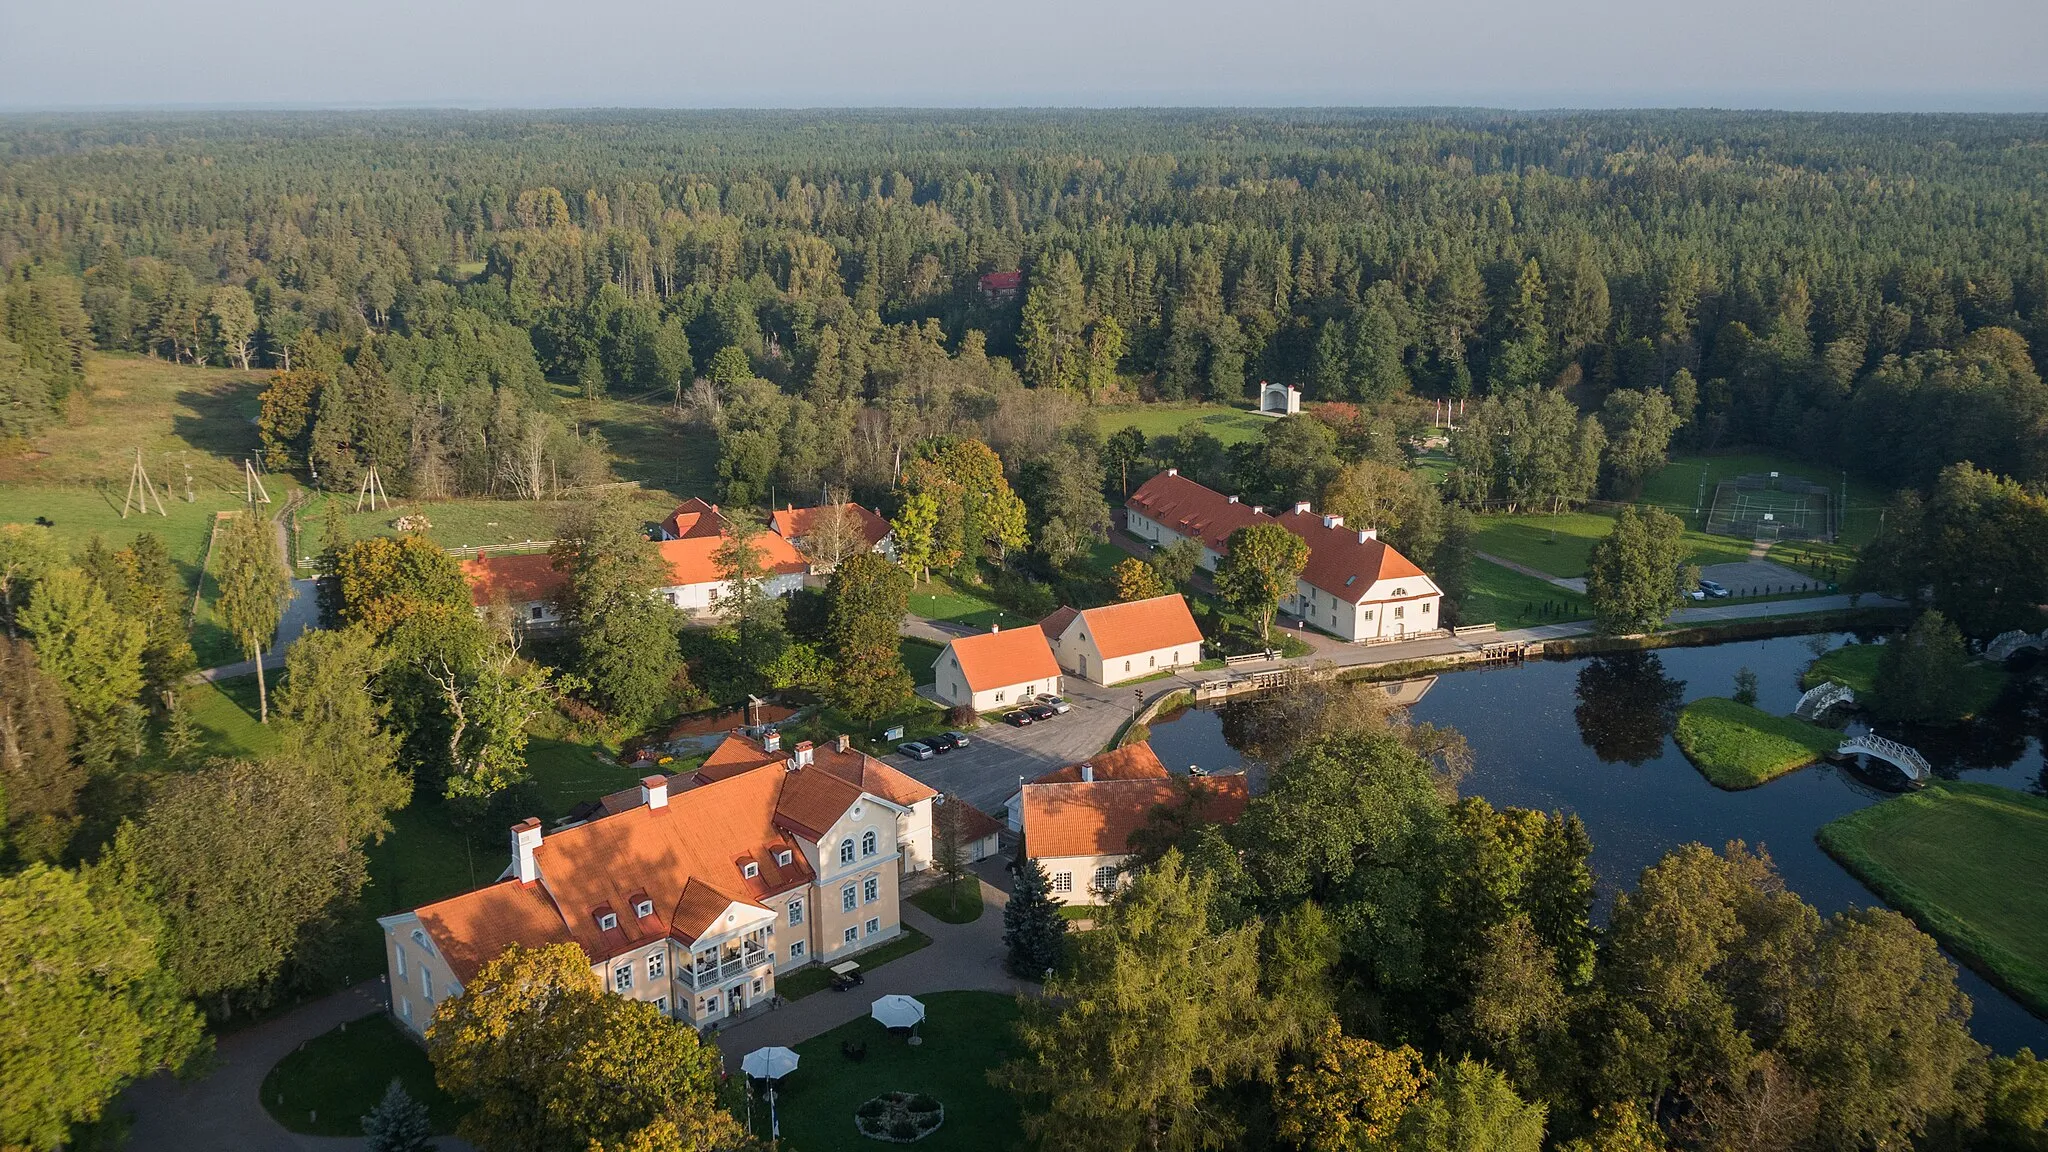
[(1134, 761), (1097, 819), (975, 824), (1343, 565), (811, 802), (738, 753), (689, 559), (1192, 510), (793, 523), (521, 578), (997, 659), (1139, 626), (471, 930)]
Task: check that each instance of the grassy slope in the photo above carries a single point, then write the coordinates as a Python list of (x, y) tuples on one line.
[(965, 1034), (1961, 860), (942, 600), (328, 1083), (1227, 424), (1512, 600), (1562, 545), (1737, 746)]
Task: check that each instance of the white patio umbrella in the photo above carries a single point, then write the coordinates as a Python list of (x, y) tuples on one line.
[(898, 1011), (769, 1063)]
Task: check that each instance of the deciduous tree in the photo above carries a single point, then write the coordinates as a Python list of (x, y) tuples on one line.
[(1347, 1093), (868, 598), (254, 587), (1637, 573), (95, 655), (39, 778), (1135, 579), (624, 635), (335, 725), (1261, 566)]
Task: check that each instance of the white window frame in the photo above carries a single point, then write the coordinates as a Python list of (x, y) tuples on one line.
[(796, 912), (1105, 878), (871, 889), (1063, 881), (874, 926), (782, 857), (750, 870), (870, 843), (405, 1008), (622, 978), (657, 963), (846, 850), (607, 922), (398, 951), (426, 984), (796, 949), (850, 936), (661, 1002), (644, 908), (848, 899)]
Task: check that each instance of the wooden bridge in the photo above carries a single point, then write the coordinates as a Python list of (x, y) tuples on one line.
[(1907, 760), (1822, 697)]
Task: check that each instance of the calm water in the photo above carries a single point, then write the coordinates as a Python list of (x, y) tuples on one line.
[(1587, 736)]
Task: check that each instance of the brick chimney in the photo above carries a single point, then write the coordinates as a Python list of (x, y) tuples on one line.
[(803, 754), (525, 842), (654, 791), (771, 740)]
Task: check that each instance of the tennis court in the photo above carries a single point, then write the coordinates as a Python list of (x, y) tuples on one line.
[(1771, 506)]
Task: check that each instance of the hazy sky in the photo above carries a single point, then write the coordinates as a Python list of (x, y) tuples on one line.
[(1891, 54)]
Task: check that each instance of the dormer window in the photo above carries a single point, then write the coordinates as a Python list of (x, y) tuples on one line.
[(783, 856), (1400, 591), (644, 908), (606, 921), (750, 870)]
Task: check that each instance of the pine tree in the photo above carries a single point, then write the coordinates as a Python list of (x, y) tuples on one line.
[(398, 1123), (1033, 929)]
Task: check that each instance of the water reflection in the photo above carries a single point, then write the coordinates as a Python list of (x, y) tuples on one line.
[(1590, 737), (1627, 705)]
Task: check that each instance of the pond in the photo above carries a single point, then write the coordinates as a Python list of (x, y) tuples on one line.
[(1587, 736)]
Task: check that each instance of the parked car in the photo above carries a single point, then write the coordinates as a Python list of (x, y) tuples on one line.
[(1695, 594), (943, 743), (1056, 703), (1017, 718), (915, 750), (1714, 589), (959, 739), (1039, 711)]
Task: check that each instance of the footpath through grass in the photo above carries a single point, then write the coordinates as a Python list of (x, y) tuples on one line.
[(964, 1034), (1737, 746), (326, 1085), (1965, 861)]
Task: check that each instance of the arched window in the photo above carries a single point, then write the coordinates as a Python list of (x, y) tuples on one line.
[(867, 843), (846, 851)]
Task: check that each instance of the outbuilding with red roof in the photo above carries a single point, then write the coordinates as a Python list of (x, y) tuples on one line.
[(1119, 642), (995, 669)]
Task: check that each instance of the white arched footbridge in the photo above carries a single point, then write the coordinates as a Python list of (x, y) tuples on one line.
[(2006, 643), (1906, 760), (1821, 697)]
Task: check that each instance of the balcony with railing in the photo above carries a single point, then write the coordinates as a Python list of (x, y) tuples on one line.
[(708, 969)]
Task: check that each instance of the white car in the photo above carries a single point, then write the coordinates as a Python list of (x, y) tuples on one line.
[(1056, 703)]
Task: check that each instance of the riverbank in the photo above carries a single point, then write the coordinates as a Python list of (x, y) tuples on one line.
[(1736, 746), (1964, 861)]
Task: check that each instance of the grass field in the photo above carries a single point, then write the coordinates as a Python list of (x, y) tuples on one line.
[(965, 1035), (1508, 598), (918, 657), (1562, 545), (942, 600), (1227, 424), (1736, 746), (1856, 666), (224, 716), (952, 903), (326, 1085), (1678, 487), (1964, 861)]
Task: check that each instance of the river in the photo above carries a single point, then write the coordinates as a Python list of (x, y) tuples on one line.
[(1586, 736)]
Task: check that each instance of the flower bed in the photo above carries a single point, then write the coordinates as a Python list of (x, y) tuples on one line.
[(899, 1117)]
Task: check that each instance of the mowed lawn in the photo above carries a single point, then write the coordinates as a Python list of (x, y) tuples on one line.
[(965, 1035), (1227, 424), (1736, 746), (1562, 545), (1687, 483), (1512, 600), (1965, 862), (324, 1087), (942, 600)]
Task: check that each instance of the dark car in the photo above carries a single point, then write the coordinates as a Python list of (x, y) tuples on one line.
[(1017, 718), (1040, 711), (915, 750), (1713, 589), (943, 743)]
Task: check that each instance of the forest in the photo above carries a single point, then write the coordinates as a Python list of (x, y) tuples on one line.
[(991, 327)]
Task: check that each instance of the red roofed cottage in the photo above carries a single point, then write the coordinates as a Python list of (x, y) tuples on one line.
[(995, 669)]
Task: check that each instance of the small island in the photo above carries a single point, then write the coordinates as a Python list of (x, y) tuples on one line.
[(1955, 858), (1737, 746)]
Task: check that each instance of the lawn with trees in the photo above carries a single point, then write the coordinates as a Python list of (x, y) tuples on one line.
[(1963, 688), (1959, 858), (1737, 745), (326, 1086)]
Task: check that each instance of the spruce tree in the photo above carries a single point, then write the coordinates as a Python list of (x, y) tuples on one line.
[(398, 1123), (1033, 929)]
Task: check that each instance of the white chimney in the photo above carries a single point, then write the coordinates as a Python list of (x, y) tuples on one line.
[(994, 628), (845, 742), (1233, 499), (1087, 773), (1301, 507), (1365, 534), (654, 791), (525, 842), (803, 754), (771, 740), (1330, 521), (1259, 509), (1173, 471)]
